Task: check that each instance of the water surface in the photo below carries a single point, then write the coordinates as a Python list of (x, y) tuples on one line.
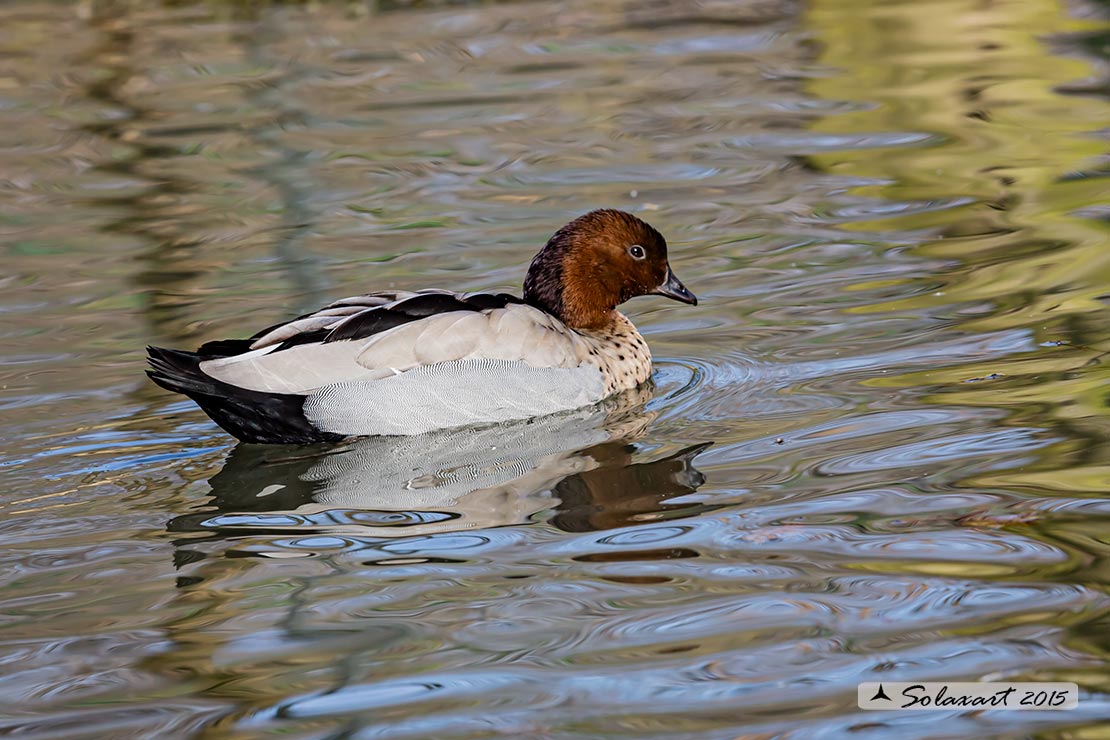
[(877, 449)]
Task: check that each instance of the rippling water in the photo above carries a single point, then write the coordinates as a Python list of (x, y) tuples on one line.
[(878, 449)]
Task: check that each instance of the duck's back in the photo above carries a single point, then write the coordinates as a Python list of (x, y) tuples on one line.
[(391, 363)]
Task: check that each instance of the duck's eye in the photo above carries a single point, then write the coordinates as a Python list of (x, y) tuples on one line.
[(637, 252)]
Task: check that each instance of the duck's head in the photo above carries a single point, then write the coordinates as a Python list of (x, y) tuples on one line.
[(595, 263)]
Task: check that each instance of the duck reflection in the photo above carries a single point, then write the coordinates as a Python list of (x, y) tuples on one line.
[(579, 466)]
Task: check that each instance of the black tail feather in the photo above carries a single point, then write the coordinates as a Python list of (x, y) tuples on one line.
[(252, 416), (179, 372)]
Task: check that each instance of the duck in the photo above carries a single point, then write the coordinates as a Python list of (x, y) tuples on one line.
[(404, 363)]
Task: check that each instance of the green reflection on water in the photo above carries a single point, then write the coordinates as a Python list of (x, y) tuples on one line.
[(1020, 138)]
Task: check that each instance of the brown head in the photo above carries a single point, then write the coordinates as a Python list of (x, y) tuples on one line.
[(595, 263)]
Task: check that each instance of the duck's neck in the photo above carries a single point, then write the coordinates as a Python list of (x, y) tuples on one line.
[(543, 285), (558, 284)]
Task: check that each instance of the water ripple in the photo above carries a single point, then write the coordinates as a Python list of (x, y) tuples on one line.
[(931, 451)]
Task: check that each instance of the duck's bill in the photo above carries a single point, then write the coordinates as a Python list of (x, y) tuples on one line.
[(672, 287)]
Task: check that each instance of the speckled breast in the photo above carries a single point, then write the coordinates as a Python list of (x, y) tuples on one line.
[(620, 353)]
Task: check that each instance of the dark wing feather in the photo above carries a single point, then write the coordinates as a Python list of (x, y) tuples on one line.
[(224, 348), (347, 306), (375, 319), (486, 301)]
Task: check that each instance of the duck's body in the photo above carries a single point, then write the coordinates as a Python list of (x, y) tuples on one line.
[(402, 363)]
